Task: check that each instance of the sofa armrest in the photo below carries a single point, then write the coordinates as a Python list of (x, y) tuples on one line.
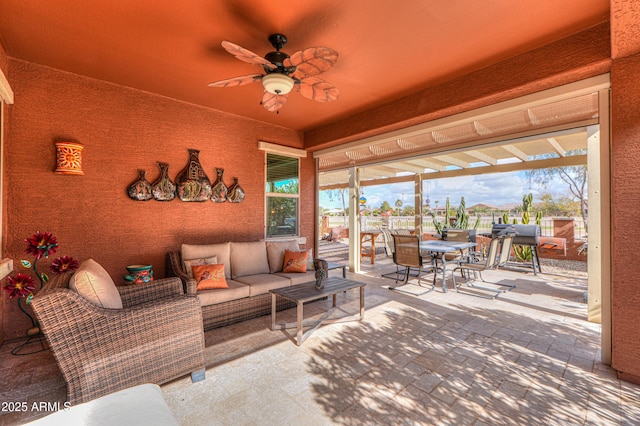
[(136, 294), (100, 351), (191, 286), (319, 263), (175, 267)]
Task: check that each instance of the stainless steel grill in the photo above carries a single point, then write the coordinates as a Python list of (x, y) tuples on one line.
[(525, 235)]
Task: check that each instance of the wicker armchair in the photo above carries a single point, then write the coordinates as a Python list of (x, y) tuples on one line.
[(155, 338)]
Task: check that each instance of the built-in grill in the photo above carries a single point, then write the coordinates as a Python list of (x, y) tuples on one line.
[(525, 235)]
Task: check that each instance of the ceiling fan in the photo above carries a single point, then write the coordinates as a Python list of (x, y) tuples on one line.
[(284, 72)]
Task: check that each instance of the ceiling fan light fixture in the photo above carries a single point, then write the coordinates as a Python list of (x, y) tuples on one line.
[(277, 83)]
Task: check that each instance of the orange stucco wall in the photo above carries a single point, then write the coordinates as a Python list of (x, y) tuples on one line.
[(124, 130), (3, 60), (625, 188)]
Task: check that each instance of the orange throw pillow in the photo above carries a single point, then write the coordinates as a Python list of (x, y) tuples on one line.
[(295, 261), (209, 276)]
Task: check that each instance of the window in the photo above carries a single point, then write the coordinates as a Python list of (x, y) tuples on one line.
[(282, 195)]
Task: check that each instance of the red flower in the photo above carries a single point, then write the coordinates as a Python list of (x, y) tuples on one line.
[(64, 264), (20, 286), (41, 244)]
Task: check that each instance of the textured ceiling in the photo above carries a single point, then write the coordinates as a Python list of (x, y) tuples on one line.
[(387, 49)]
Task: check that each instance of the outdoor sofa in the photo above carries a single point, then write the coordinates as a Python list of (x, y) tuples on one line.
[(251, 269)]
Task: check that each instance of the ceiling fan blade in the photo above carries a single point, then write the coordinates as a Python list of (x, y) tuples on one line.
[(246, 55), (272, 102), (312, 61), (236, 81), (317, 89)]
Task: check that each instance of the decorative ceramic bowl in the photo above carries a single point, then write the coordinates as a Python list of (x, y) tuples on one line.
[(139, 274)]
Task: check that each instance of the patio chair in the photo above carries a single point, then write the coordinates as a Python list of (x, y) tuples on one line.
[(505, 251), (389, 249), (463, 236), (491, 262), (157, 336), (407, 254)]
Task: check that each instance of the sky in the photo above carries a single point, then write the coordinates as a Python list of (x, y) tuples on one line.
[(495, 189)]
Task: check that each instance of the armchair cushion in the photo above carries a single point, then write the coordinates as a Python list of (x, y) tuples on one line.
[(93, 283)]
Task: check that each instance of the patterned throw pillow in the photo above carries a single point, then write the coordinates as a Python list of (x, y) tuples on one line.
[(295, 261), (209, 276), (188, 264)]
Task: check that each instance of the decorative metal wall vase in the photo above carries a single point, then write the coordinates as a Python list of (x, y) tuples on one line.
[(140, 189), (235, 193), (192, 183), (163, 189), (219, 189)]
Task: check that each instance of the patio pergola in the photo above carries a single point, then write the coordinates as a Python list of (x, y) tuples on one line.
[(550, 129)]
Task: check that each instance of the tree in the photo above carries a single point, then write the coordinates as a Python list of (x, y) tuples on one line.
[(398, 205), (408, 211), (559, 206), (385, 207), (339, 194), (574, 176)]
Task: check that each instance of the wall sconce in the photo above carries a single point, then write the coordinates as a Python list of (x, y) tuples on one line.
[(68, 158)]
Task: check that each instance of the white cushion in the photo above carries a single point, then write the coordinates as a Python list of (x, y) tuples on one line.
[(93, 283), (138, 405), (203, 251), (249, 259), (275, 253)]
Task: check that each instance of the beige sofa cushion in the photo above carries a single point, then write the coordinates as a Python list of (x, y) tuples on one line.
[(297, 277), (275, 253), (262, 283), (202, 251), (235, 291), (93, 283), (248, 259)]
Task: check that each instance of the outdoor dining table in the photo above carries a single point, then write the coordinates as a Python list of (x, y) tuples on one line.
[(368, 235), (440, 247)]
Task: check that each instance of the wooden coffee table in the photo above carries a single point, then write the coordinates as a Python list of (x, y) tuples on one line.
[(307, 292)]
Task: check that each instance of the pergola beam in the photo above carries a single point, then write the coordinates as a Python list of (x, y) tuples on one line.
[(482, 157), (573, 160), (556, 146), (516, 152)]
